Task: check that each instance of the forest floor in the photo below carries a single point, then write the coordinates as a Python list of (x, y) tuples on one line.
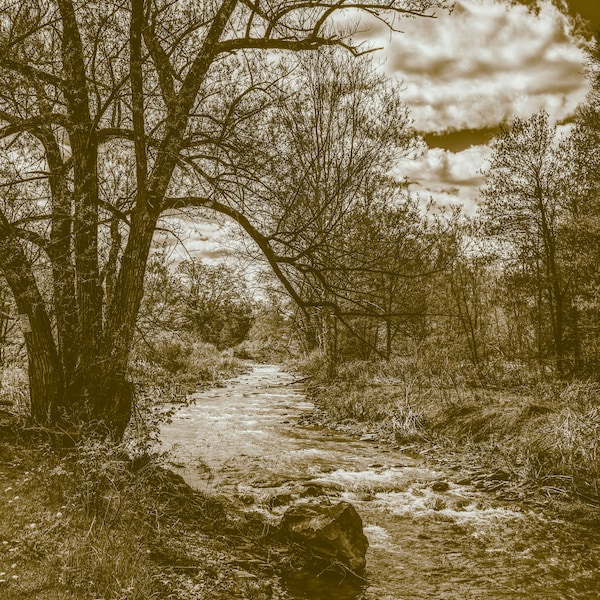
[(538, 444), (90, 523)]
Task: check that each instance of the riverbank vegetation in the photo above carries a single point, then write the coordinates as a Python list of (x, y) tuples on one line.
[(533, 441), (104, 521)]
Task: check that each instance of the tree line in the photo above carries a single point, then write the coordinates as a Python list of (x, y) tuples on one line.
[(513, 288)]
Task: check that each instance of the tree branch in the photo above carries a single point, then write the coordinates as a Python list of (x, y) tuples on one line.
[(32, 73), (261, 240), (137, 95), (18, 125), (163, 66)]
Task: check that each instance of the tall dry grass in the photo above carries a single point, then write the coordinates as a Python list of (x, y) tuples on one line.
[(542, 431)]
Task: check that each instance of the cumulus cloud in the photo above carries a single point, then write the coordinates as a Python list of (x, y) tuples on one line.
[(488, 61), (467, 72), (196, 236), (448, 177)]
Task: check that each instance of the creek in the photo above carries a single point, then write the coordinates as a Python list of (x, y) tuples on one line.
[(432, 534)]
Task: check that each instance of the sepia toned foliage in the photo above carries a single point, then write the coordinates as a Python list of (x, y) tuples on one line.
[(111, 116)]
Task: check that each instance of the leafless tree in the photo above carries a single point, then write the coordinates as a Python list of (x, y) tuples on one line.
[(112, 114)]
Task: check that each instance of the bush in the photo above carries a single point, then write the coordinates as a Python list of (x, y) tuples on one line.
[(14, 389), (179, 365), (313, 365)]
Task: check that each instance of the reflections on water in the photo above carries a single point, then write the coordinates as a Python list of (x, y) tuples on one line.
[(429, 537)]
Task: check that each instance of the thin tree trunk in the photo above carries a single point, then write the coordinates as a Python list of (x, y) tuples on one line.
[(331, 344), (86, 391), (576, 339), (59, 251)]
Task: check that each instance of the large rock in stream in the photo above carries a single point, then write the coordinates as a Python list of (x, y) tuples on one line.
[(331, 532)]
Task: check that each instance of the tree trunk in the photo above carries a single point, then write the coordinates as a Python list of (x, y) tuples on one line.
[(113, 403), (559, 345), (575, 341), (388, 338), (46, 384), (59, 252)]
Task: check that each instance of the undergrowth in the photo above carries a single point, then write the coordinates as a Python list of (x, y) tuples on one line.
[(99, 520), (96, 522), (172, 368), (543, 432)]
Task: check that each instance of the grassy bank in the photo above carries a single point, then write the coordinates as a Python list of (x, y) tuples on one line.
[(105, 521), (171, 368), (99, 522), (537, 437)]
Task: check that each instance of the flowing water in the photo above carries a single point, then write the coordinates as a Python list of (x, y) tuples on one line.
[(249, 440)]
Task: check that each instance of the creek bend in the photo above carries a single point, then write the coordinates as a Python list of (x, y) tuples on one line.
[(248, 440)]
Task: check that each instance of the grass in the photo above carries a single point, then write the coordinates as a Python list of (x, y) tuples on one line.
[(543, 436), (175, 367), (95, 523)]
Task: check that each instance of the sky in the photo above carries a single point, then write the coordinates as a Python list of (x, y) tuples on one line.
[(468, 72), (465, 74)]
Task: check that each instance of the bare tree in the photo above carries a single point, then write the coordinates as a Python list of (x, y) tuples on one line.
[(332, 144), (113, 114), (524, 209)]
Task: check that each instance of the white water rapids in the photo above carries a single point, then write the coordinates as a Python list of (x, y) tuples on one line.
[(247, 441)]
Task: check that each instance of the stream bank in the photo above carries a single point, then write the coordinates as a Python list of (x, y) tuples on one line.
[(433, 532), (539, 447), (92, 523)]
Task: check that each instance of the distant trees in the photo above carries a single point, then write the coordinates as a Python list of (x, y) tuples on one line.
[(398, 249), (209, 303), (541, 208), (471, 287), (523, 289), (516, 289), (522, 209), (216, 305)]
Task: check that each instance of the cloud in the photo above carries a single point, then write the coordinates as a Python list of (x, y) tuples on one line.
[(485, 63), (448, 177), (194, 234), (468, 72)]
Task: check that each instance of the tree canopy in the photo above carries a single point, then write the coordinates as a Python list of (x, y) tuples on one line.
[(113, 114)]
